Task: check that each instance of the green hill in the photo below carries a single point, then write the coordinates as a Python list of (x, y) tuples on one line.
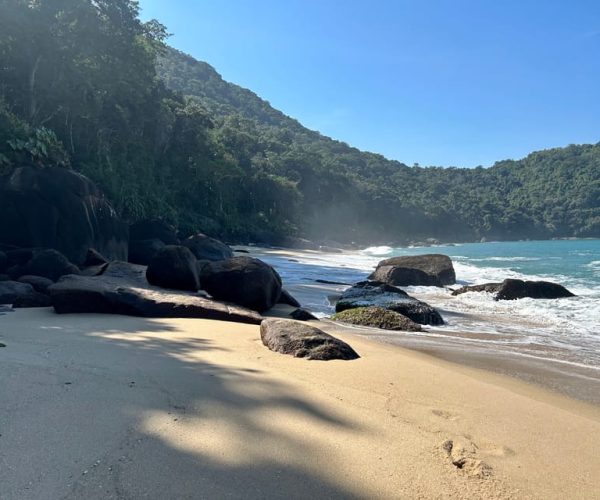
[(89, 86)]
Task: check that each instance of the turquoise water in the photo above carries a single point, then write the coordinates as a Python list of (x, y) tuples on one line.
[(564, 330)]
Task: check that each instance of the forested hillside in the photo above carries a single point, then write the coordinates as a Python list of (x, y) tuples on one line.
[(88, 86)]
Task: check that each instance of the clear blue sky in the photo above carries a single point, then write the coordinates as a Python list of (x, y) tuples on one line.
[(439, 82)]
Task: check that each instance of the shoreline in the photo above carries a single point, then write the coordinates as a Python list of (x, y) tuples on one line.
[(181, 407)]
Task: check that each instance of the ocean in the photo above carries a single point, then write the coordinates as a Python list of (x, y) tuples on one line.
[(565, 331)]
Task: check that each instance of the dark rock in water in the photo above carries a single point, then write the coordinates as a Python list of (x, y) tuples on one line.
[(376, 294), (142, 251), (206, 248), (150, 229), (3, 261), (242, 280), (302, 315), (94, 258), (287, 298), (512, 289), (377, 317), (121, 291), (174, 267), (49, 264), (404, 276), (13, 292), (487, 287), (303, 341), (241, 251), (61, 209), (39, 283), (435, 265)]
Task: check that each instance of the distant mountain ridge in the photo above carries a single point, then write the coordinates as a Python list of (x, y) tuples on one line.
[(551, 193)]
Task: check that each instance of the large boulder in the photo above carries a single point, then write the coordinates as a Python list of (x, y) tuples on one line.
[(123, 289), (21, 295), (377, 317), (303, 341), (39, 283), (376, 294), (94, 258), (242, 280), (143, 251), (404, 276), (49, 264), (206, 248), (149, 229), (427, 270), (174, 267), (58, 208), (513, 289)]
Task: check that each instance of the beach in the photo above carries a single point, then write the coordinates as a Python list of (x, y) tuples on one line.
[(117, 407)]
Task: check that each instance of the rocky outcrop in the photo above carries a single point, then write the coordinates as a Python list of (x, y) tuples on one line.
[(377, 317), (404, 276), (122, 289), (513, 289), (174, 267), (288, 299), (39, 283), (301, 314), (61, 209), (49, 264), (435, 269), (303, 341), (376, 294), (94, 258), (141, 252), (244, 281), (21, 295), (206, 248), (487, 288), (153, 229)]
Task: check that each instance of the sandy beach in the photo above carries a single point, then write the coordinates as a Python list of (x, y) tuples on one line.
[(119, 407)]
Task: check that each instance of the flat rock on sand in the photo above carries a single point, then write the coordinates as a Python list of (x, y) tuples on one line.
[(123, 290), (303, 341)]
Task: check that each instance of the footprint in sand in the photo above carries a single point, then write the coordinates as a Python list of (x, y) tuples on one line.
[(463, 455), (445, 414)]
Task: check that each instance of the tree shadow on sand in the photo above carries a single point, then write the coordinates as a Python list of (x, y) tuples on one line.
[(166, 423)]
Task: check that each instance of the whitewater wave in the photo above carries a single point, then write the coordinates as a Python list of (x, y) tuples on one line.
[(377, 251)]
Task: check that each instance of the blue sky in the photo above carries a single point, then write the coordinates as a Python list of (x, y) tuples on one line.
[(438, 82)]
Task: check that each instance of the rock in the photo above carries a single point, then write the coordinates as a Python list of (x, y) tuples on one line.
[(287, 298), (512, 289), (174, 267), (58, 208), (303, 341), (93, 270), (142, 251), (19, 256), (122, 290), (3, 261), (404, 276), (153, 229), (438, 267), (376, 294), (302, 315), (49, 264), (239, 250), (487, 287), (206, 248), (377, 317), (4, 277), (13, 292), (35, 299), (39, 283), (94, 258), (244, 281), (327, 282)]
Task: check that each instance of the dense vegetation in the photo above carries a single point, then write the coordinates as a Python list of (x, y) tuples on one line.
[(86, 85)]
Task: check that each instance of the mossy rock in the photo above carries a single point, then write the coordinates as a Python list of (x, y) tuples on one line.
[(377, 317)]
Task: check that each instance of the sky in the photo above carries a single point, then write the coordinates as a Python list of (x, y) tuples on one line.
[(434, 82)]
